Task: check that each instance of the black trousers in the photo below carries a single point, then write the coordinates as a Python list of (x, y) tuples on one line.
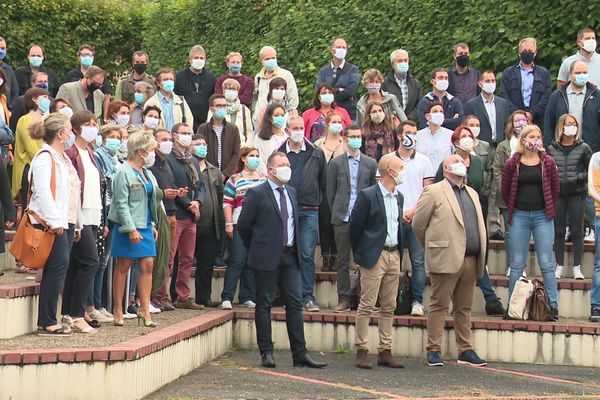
[(207, 245), (326, 234), (83, 266), (287, 276)]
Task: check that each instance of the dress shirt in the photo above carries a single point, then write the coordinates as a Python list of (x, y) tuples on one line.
[(401, 81), (354, 164), (527, 78), (335, 69), (576, 103), (469, 216), (290, 221), (390, 201), (490, 108), (167, 110)]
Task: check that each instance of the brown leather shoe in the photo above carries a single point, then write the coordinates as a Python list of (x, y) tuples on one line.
[(188, 304), (385, 359), (362, 360), (166, 304), (343, 306)]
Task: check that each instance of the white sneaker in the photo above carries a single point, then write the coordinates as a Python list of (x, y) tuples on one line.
[(524, 275), (590, 237), (559, 271), (577, 272), (508, 271), (226, 305), (100, 317), (568, 235), (154, 310), (248, 304), (417, 310), (105, 312), (129, 316)]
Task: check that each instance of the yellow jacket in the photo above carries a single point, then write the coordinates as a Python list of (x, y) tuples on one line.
[(25, 149)]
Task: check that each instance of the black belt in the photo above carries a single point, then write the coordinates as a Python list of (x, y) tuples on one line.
[(391, 248), (288, 249)]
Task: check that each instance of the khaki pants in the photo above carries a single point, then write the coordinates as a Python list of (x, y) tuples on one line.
[(380, 282), (459, 288)]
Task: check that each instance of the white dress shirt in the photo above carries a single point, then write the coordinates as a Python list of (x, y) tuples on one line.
[(290, 209), (390, 201)]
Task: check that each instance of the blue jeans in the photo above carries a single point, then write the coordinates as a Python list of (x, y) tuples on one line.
[(134, 275), (485, 285), (416, 252), (524, 223), (507, 251), (236, 269), (95, 295), (308, 229), (595, 295)]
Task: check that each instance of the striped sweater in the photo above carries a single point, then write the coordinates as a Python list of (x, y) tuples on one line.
[(235, 190)]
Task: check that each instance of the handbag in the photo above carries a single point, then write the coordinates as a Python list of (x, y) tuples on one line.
[(31, 246), (539, 302), (519, 305)]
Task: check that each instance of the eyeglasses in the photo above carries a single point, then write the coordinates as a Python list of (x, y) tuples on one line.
[(570, 123)]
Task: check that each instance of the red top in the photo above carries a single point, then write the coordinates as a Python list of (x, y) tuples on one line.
[(246, 87), (311, 115)]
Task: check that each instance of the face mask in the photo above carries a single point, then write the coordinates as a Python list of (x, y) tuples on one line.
[(235, 68), (489, 87), (86, 61), (42, 85), (138, 98), (122, 119), (35, 61), (402, 67), (140, 68), (458, 169), (442, 85), (527, 57), (98, 142), (123, 147), (89, 133), (533, 145), (589, 45), (2, 54), (149, 159), (400, 177), (270, 64), (201, 151), (377, 117), (336, 128), (475, 130), (231, 95), (570, 130), (44, 104), (283, 174), (340, 54), (252, 163), (297, 136), (165, 147), (198, 63), (326, 98), (92, 87), (168, 85), (466, 143), (151, 122), (355, 143), (279, 121), (373, 88), (70, 141), (184, 140), (437, 118), (278, 94), (66, 111), (462, 61), (519, 127), (409, 141), (112, 145), (581, 79), (220, 113)]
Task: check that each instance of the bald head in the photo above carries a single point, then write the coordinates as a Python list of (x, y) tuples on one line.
[(449, 172)]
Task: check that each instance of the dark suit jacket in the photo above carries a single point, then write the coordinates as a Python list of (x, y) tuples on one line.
[(261, 227), (475, 107), (23, 75), (348, 78), (510, 89), (415, 93), (182, 180), (338, 183), (368, 226)]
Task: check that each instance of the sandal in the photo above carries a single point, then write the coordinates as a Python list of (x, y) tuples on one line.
[(64, 330), (88, 329)]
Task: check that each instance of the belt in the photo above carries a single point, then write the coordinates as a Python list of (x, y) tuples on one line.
[(391, 248), (288, 249), (309, 209)]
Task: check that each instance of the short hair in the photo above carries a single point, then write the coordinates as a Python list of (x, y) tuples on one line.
[(393, 54), (81, 117), (48, 128), (487, 71), (466, 119), (337, 38), (372, 74), (145, 85), (93, 71), (528, 40), (107, 129), (196, 49), (461, 45), (176, 127), (408, 122), (233, 54), (159, 130), (114, 107), (273, 156), (85, 47), (508, 131), (230, 83), (140, 53), (139, 140), (572, 66), (352, 127), (214, 97), (264, 49), (317, 98), (151, 108), (429, 106), (35, 76), (526, 131), (558, 131), (294, 118), (32, 45), (434, 72), (583, 31), (458, 130), (32, 94), (163, 71), (198, 136), (59, 100)]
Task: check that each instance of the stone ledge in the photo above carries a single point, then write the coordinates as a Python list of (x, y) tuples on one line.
[(21, 289)]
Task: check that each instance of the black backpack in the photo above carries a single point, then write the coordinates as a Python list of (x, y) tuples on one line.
[(404, 299)]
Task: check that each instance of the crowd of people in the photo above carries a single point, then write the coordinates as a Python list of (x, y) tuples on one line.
[(164, 174)]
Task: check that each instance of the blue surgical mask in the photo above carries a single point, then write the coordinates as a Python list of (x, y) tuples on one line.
[(355, 143), (252, 163), (201, 150), (168, 85), (70, 141), (270, 64), (43, 85), (220, 113), (139, 98), (86, 61), (581, 79), (35, 61), (44, 104), (2, 54), (235, 68), (112, 145), (279, 121), (98, 142), (402, 67)]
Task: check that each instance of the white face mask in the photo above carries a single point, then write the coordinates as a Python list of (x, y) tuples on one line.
[(122, 119), (278, 94), (589, 45), (437, 118), (297, 136), (66, 111), (340, 54), (184, 140), (570, 130), (475, 130), (230, 95), (283, 174), (377, 117), (165, 147), (198, 63), (400, 177), (151, 122), (466, 143), (149, 159), (458, 169), (89, 133), (442, 85), (489, 87)]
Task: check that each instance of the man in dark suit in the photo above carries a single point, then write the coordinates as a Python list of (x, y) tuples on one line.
[(347, 174), (376, 239), (403, 85), (268, 226), (527, 86), (492, 111)]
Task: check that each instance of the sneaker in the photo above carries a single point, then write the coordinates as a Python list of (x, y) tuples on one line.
[(248, 304), (471, 358), (494, 308), (568, 235), (559, 271), (226, 305), (129, 315), (100, 317), (153, 309), (553, 314), (311, 306), (434, 359), (342, 306), (595, 314), (508, 272), (577, 272), (106, 312), (188, 304), (133, 308), (590, 237), (417, 309)]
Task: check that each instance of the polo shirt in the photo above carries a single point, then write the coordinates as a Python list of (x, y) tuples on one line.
[(436, 146), (593, 67), (417, 167)]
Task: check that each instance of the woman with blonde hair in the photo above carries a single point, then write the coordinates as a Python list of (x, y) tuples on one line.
[(372, 80)]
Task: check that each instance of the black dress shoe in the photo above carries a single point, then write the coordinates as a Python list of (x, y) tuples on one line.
[(497, 236), (209, 303), (267, 360), (307, 361), (219, 262)]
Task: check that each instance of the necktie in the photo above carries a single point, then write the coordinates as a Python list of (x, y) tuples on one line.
[(284, 214)]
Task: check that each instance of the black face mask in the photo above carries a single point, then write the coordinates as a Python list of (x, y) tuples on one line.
[(92, 87), (140, 68), (527, 57), (462, 60)]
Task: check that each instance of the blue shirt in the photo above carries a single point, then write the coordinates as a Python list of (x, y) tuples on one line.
[(526, 84), (167, 110), (390, 201), (354, 164), (290, 209)]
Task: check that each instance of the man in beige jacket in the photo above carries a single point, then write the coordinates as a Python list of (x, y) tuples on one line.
[(449, 223)]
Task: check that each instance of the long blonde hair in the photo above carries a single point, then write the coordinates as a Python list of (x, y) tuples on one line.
[(526, 131), (560, 126)]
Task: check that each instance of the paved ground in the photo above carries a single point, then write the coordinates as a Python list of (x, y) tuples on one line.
[(238, 376)]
